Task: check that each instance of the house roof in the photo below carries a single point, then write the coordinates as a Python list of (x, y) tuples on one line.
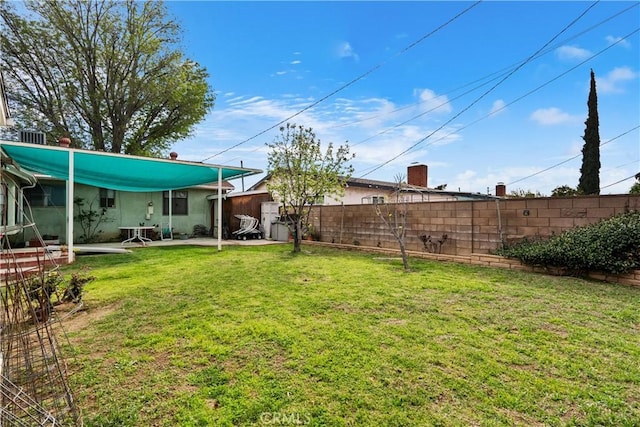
[(353, 182), (118, 171), (390, 186), (372, 183)]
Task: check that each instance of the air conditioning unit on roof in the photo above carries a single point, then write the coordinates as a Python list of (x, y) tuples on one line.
[(33, 137)]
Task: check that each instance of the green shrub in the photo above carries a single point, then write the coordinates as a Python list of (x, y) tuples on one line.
[(611, 245)]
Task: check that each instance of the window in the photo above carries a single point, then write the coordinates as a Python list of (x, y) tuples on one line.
[(377, 199), (46, 195), (179, 203), (107, 198)]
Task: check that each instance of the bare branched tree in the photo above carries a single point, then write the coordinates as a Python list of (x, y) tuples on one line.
[(394, 217)]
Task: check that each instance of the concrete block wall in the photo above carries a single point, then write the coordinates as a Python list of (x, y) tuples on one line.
[(472, 227)]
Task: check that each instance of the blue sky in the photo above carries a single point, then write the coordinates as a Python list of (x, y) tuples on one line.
[(495, 92)]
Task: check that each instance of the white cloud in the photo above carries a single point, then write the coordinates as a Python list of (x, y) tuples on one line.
[(477, 181), (576, 147), (296, 62), (552, 116), (498, 107), (433, 102), (235, 99), (241, 100), (346, 51), (612, 82), (568, 53), (619, 40)]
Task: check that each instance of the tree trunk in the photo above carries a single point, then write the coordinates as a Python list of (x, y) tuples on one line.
[(405, 260), (297, 236)]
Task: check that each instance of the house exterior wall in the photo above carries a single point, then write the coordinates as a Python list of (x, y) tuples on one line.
[(130, 209), (358, 195), (476, 227)]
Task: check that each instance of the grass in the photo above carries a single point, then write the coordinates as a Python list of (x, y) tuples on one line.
[(187, 336)]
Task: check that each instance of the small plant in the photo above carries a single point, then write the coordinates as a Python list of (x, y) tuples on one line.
[(200, 230), (74, 290), (90, 219), (40, 290), (312, 233), (433, 246)]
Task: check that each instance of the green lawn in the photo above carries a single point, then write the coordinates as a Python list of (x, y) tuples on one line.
[(254, 335)]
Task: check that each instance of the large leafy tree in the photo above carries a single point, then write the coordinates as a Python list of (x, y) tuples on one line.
[(563, 191), (590, 171), (301, 174), (109, 74)]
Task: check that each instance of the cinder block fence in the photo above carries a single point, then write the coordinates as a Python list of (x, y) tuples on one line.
[(472, 228)]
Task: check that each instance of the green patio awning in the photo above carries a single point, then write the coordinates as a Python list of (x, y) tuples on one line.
[(118, 171)]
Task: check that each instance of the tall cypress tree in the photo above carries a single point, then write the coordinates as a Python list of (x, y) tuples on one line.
[(590, 171)]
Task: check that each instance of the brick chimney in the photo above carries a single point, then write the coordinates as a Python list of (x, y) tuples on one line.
[(417, 175), (501, 189), (64, 142), (173, 155)]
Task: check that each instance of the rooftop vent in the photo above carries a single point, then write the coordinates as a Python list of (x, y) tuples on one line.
[(33, 137)]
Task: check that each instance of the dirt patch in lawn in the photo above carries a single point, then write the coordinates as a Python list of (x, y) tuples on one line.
[(75, 317)]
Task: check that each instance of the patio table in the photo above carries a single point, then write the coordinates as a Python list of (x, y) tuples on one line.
[(137, 232)]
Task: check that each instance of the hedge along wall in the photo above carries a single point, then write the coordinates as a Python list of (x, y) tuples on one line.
[(472, 227)]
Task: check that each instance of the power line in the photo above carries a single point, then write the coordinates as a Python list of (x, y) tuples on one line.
[(492, 77), (572, 158), (468, 107), (324, 98), (618, 182), (497, 75), (548, 82), (373, 168), (623, 165)]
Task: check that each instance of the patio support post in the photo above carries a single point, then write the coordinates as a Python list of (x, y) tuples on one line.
[(70, 196), (219, 209)]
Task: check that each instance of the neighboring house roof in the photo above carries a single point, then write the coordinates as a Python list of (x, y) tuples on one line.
[(390, 186), (371, 183), (351, 182), (260, 183), (248, 193), (118, 171)]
